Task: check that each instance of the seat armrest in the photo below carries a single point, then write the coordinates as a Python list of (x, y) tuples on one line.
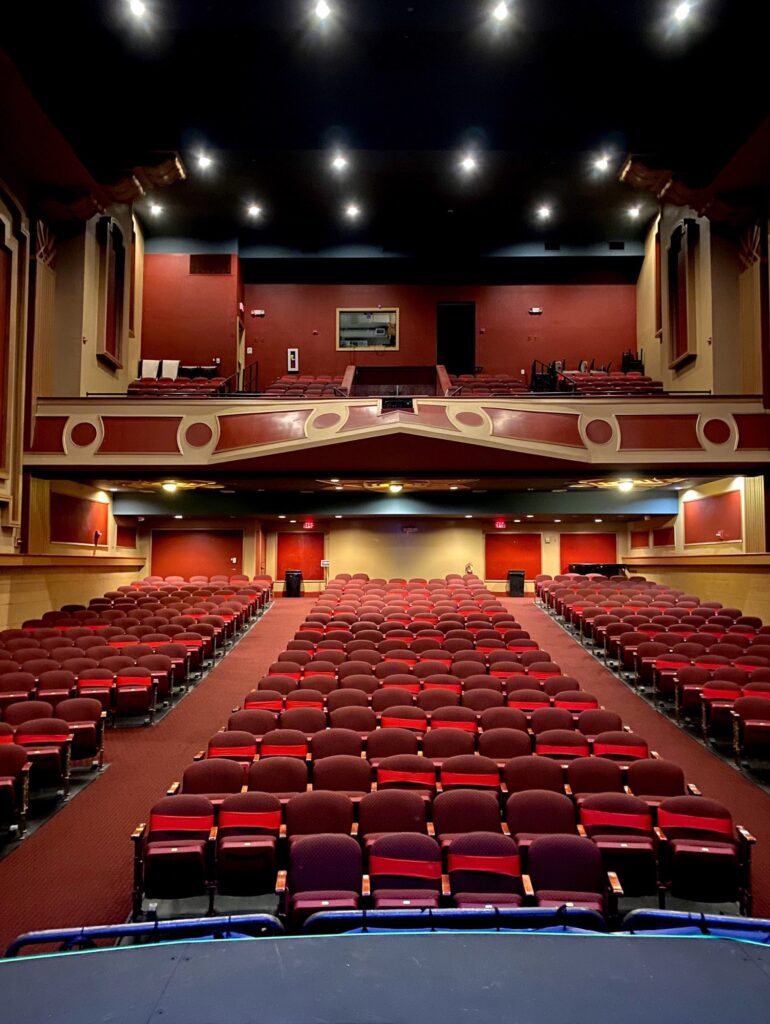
[(280, 883), (627, 791), (199, 756), (614, 882), (374, 787), (693, 790), (446, 889), (662, 838), (431, 830), (655, 755), (529, 889), (138, 832), (213, 834), (505, 829), (173, 789), (366, 886), (282, 832), (582, 832), (567, 789), (504, 788), (354, 829), (745, 835)]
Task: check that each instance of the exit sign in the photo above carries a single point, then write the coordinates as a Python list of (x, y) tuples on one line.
[(309, 524), (499, 524)]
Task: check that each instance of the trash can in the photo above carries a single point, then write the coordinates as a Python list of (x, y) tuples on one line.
[(516, 583), (292, 583)]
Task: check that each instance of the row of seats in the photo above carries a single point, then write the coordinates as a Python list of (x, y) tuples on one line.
[(306, 386), (599, 383), (361, 735), (695, 656), (175, 387)]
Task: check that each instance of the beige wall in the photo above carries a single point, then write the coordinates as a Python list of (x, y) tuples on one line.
[(25, 593), (744, 587)]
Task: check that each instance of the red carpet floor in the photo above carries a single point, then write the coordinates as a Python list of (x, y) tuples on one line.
[(77, 868), (715, 777)]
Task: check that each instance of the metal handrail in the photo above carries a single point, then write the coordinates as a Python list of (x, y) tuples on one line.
[(72, 939)]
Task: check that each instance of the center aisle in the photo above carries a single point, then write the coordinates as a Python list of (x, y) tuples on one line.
[(77, 868), (717, 779)]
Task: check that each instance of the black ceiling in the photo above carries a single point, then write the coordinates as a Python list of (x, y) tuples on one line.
[(404, 85)]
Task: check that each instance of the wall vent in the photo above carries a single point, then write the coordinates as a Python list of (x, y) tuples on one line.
[(211, 263)]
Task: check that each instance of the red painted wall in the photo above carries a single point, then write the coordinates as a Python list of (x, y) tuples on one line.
[(504, 551), (664, 537), (302, 551), (76, 520), (6, 267), (125, 537), (186, 316), (640, 538), (587, 547), (196, 552), (713, 519), (579, 321)]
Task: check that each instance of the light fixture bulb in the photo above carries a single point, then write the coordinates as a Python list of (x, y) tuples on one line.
[(169, 486), (178, 517), (204, 161), (395, 488), (156, 209), (469, 517), (633, 212), (352, 210), (339, 163), (625, 485), (322, 10), (137, 8), (469, 163), (500, 12), (682, 12), (602, 162), (254, 210), (544, 212)]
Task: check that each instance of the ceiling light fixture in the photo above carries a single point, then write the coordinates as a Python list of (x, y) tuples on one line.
[(454, 487), (682, 12), (602, 163), (281, 517), (338, 517), (598, 520), (634, 211), (625, 485), (517, 520), (335, 480), (544, 212), (322, 10), (156, 209), (530, 516), (204, 161), (339, 487), (352, 210), (178, 517), (254, 210), (339, 162), (395, 488), (137, 8), (170, 486), (292, 520), (469, 517), (500, 12), (469, 163)]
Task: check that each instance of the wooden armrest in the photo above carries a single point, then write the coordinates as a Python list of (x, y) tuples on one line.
[(309, 788), (745, 835), (662, 838), (431, 829), (200, 756), (446, 889), (654, 754), (282, 832), (439, 788), (734, 715), (213, 834), (582, 832), (173, 789), (280, 883), (693, 790), (504, 827), (354, 829), (103, 716), (244, 788), (366, 886), (529, 889), (627, 791), (567, 789), (374, 787), (504, 788), (615, 887), (138, 831)]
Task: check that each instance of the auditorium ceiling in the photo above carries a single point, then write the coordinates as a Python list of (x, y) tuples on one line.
[(405, 88)]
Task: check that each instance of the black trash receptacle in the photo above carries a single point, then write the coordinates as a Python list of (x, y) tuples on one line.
[(292, 583), (516, 583)]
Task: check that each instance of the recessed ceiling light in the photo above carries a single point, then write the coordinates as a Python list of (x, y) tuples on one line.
[(204, 161), (543, 212), (517, 520), (339, 487), (292, 520), (500, 12), (169, 486), (338, 517), (602, 163), (352, 210), (454, 487), (137, 8), (530, 516), (395, 488), (557, 520), (469, 517), (469, 163), (335, 480), (322, 10), (178, 517), (281, 517), (156, 209), (625, 485), (254, 210), (682, 12), (339, 162), (598, 520), (633, 212)]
